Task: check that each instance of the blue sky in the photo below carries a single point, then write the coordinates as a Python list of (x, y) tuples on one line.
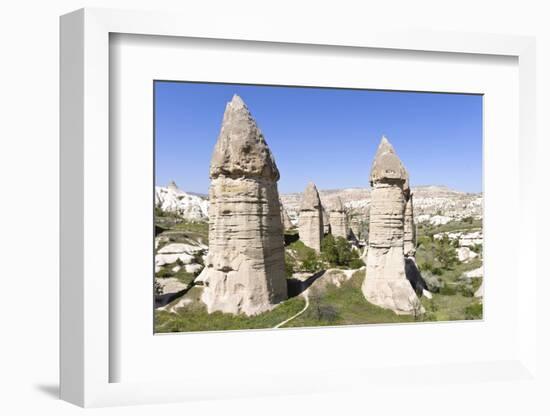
[(328, 136)]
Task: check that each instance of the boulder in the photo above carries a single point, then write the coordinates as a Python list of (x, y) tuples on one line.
[(476, 273), (479, 292), (162, 259), (465, 254), (193, 268), (170, 285), (440, 220)]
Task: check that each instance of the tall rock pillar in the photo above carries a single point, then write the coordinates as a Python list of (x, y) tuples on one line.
[(285, 218), (339, 225), (245, 269), (385, 282), (409, 246), (310, 221)]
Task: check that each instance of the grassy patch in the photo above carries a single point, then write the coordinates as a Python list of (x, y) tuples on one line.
[(303, 258), (464, 225), (349, 305), (194, 317), (449, 308), (181, 231)]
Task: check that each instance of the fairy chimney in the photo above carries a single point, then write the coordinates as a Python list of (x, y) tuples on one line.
[(285, 218), (339, 225), (310, 221), (409, 237), (245, 269), (385, 283)]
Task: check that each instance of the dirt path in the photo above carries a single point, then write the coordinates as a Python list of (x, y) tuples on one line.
[(306, 297)]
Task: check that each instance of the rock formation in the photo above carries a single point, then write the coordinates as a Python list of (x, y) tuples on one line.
[(285, 218), (326, 220), (409, 247), (310, 221), (385, 282), (245, 269), (172, 186), (339, 226)]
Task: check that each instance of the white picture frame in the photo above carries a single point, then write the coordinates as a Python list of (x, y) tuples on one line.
[(86, 355)]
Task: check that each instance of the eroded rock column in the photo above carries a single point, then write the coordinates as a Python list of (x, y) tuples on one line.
[(245, 271), (285, 218), (310, 221), (385, 283), (409, 246), (339, 225)]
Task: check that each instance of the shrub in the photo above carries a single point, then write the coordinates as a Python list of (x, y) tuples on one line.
[(465, 288), (311, 262), (445, 253), (290, 264), (338, 253), (423, 240), (426, 266), (306, 259), (198, 257), (437, 271), (185, 277), (433, 282), (327, 313), (474, 311), (448, 290), (165, 272), (477, 248), (321, 310), (158, 289), (356, 263)]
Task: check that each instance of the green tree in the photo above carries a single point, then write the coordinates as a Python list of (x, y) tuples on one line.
[(445, 253), (338, 252)]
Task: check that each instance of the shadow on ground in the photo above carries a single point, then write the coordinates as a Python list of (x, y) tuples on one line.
[(51, 390), (296, 286)]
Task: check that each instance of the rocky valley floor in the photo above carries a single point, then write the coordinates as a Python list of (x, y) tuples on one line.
[(321, 292)]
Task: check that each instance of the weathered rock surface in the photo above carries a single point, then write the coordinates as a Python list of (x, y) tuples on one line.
[(326, 219), (310, 222), (479, 292), (465, 254), (409, 237), (170, 285), (245, 270), (471, 239), (385, 283), (438, 220), (177, 248), (285, 219), (173, 199), (162, 259), (339, 226), (476, 273)]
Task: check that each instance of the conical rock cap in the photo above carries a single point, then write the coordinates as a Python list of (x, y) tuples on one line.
[(241, 149)]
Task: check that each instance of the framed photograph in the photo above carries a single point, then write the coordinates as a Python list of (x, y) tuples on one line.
[(292, 232), (276, 213)]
